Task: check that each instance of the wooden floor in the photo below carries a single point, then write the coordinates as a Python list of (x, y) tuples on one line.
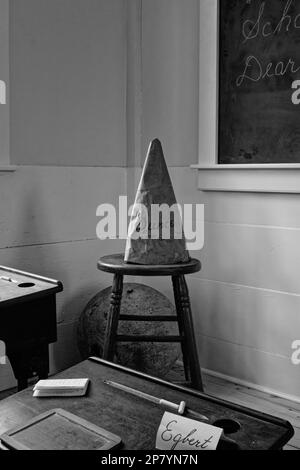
[(264, 402), (260, 401), (245, 396)]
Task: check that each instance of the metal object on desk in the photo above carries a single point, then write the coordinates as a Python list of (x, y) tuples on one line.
[(28, 321)]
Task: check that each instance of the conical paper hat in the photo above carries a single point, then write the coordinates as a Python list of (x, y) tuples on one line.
[(155, 235)]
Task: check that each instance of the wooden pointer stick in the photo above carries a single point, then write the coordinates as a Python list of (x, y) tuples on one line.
[(180, 408)]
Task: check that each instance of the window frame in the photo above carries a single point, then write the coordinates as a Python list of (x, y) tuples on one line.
[(212, 176)]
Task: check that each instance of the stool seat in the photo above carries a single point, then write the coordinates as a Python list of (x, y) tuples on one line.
[(116, 265)]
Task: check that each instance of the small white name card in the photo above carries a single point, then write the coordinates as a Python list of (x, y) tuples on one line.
[(178, 433)]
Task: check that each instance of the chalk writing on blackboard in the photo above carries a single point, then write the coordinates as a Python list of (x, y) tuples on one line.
[(259, 81)]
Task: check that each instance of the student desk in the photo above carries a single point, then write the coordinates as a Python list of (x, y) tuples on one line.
[(135, 420), (27, 321)]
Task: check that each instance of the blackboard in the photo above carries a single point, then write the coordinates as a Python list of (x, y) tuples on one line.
[(259, 81)]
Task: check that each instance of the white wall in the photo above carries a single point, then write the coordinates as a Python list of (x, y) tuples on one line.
[(68, 79), (48, 226), (68, 136), (246, 298), (170, 78)]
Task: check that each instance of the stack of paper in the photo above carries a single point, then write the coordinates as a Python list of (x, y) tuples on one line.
[(61, 388)]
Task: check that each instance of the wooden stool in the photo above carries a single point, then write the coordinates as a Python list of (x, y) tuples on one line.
[(115, 264)]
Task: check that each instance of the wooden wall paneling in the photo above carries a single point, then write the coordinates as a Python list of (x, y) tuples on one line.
[(256, 256), (49, 205)]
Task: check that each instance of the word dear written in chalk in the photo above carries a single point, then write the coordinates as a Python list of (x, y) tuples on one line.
[(255, 69), (178, 433)]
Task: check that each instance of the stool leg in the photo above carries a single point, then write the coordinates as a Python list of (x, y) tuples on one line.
[(185, 355), (182, 293), (113, 318)]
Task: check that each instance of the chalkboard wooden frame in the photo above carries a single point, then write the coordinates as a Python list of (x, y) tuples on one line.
[(270, 178)]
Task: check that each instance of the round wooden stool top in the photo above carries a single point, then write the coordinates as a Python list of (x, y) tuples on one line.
[(115, 264)]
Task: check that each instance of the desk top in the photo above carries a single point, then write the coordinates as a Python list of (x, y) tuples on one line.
[(116, 264), (135, 420), (17, 285)]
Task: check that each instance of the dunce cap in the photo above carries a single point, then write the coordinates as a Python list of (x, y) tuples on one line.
[(155, 234)]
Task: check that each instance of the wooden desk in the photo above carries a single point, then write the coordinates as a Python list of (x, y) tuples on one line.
[(135, 420), (27, 321)]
